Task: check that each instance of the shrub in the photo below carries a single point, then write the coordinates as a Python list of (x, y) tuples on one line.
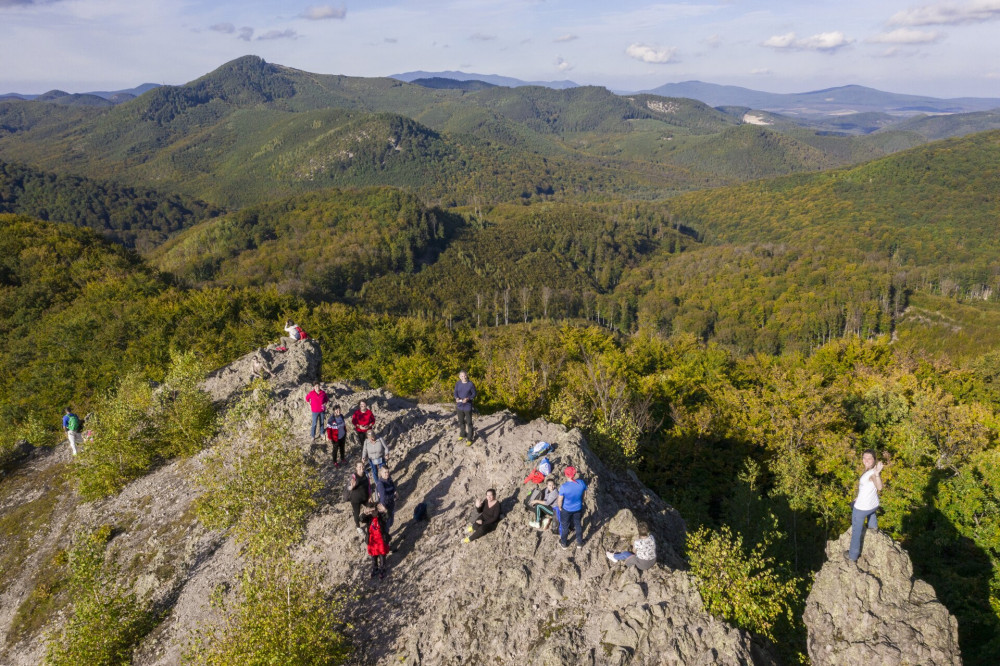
[(108, 621), (741, 587)]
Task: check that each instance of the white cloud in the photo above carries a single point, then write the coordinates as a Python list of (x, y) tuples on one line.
[(324, 12), (713, 41), (287, 33), (652, 54), (907, 36), (565, 38), (949, 13), (562, 65), (246, 33), (993, 75), (227, 28), (760, 71), (824, 41)]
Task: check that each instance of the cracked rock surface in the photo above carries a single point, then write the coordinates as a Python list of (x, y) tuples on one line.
[(875, 611)]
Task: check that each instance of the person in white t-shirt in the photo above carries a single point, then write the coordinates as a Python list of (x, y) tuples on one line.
[(865, 505)]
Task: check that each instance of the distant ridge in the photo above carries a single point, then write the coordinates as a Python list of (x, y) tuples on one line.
[(842, 99), (453, 84), (62, 97), (494, 79)]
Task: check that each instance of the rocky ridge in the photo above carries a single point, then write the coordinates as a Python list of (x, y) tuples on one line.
[(875, 611), (513, 597)]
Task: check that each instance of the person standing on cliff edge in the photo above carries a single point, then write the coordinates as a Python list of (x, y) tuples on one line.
[(465, 392), (865, 506)]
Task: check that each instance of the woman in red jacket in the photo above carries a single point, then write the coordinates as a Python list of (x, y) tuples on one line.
[(378, 540), (363, 420)]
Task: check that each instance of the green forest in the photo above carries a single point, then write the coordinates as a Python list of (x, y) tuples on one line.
[(609, 263)]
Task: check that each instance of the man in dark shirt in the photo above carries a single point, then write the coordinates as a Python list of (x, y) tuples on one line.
[(465, 391)]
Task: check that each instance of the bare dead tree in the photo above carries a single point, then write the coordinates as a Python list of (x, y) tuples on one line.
[(546, 297), (525, 296), (496, 309), (479, 307), (506, 304)]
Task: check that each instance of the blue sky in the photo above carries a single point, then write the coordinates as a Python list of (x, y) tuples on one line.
[(944, 49)]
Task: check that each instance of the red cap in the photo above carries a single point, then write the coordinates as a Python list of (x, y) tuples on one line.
[(571, 472)]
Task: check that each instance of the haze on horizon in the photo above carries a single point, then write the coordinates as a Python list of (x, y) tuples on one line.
[(773, 45)]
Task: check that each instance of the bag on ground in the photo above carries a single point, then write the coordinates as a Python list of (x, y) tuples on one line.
[(538, 450)]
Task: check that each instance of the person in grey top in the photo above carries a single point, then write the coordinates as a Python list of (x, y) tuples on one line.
[(374, 452), (465, 391), (545, 505)]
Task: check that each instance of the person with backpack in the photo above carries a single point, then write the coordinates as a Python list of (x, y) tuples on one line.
[(378, 538), (545, 505), (317, 403), (363, 420), (465, 391), (73, 427), (489, 511), (293, 334), (336, 434), (570, 506), (864, 508), (374, 452), (643, 554), (386, 489), (358, 493)]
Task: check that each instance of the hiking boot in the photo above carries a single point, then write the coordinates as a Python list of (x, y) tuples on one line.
[(468, 442), (466, 540), (361, 532), (579, 546), (564, 547), (847, 556), (381, 574), (470, 529)]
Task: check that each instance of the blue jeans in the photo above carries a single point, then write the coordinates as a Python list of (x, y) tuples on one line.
[(858, 519), (621, 557), (568, 518), (374, 465), (318, 425)]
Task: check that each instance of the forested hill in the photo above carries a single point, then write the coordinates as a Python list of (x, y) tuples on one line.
[(137, 217), (252, 131)]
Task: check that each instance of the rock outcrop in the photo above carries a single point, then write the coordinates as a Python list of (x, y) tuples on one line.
[(512, 597), (875, 611)]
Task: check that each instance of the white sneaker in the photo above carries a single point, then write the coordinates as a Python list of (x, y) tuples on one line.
[(611, 556), (535, 525)]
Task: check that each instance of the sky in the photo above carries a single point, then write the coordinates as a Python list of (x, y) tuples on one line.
[(942, 49)]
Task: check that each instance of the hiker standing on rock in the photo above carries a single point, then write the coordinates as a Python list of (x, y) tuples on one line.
[(374, 452), (865, 506), (336, 434), (358, 492), (488, 509), (386, 489), (363, 420), (571, 508), (465, 391), (317, 403), (644, 551), (73, 427), (378, 538), (294, 334)]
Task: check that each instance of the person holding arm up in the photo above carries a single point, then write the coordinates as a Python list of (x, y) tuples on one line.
[(865, 506)]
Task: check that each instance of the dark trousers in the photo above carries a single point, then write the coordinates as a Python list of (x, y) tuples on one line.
[(336, 446), (378, 563), (360, 437), (356, 504), (480, 530), (465, 430), (571, 520)]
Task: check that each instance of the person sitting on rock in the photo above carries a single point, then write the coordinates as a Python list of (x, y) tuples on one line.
[(336, 434), (259, 367), (363, 420), (378, 537), (865, 506), (293, 334), (488, 509), (358, 492), (374, 452), (545, 505), (571, 508), (643, 554)]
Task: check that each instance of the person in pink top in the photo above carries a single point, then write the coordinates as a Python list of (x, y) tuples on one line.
[(317, 403)]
